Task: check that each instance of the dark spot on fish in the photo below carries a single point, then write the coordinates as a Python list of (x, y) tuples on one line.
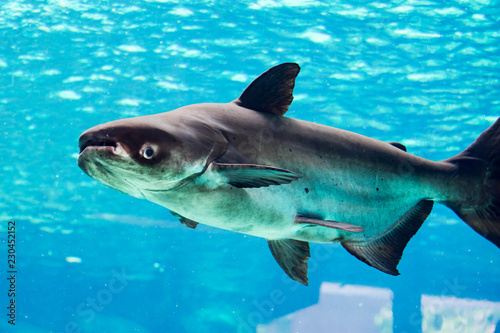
[(377, 188), (290, 150), (307, 190), (234, 138)]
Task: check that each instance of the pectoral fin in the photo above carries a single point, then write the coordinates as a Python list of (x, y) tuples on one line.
[(328, 224), (292, 256), (187, 222), (384, 251), (252, 175)]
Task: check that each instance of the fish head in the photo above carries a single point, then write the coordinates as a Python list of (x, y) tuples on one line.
[(150, 153)]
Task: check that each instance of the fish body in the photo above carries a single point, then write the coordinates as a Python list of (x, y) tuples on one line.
[(336, 177), (243, 166)]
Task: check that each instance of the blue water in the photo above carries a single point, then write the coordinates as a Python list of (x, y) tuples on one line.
[(90, 259)]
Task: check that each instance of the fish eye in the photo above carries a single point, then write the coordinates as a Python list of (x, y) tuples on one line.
[(148, 153)]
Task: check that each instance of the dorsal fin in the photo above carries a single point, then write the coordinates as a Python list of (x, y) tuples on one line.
[(398, 145), (384, 251), (272, 91)]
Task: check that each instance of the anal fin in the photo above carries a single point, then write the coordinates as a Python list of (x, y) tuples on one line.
[(384, 251), (292, 256)]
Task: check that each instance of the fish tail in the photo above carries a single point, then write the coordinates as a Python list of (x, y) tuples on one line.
[(477, 171)]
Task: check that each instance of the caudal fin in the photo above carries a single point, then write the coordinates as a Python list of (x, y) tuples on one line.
[(478, 169)]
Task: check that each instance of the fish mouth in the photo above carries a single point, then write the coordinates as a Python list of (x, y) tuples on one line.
[(96, 143)]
